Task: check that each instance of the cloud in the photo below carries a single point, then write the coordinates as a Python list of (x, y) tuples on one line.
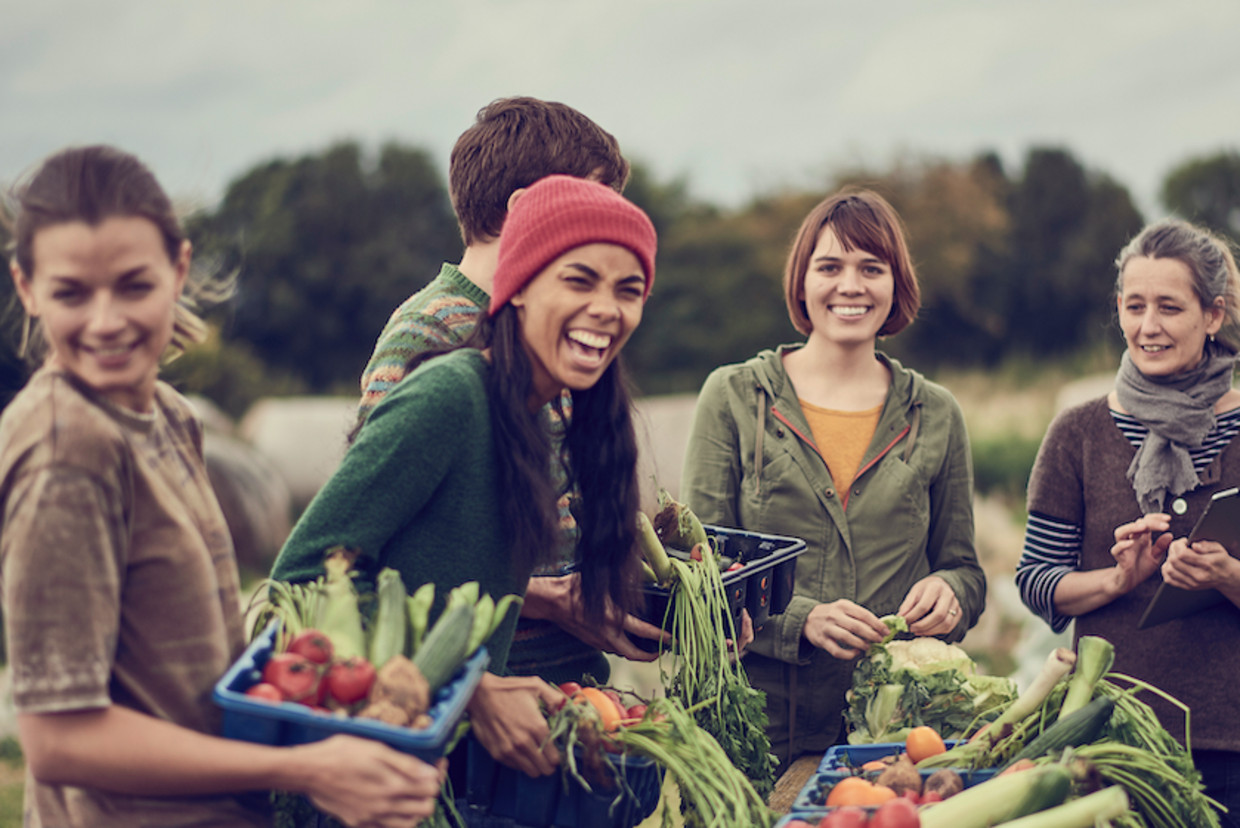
[(739, 97)]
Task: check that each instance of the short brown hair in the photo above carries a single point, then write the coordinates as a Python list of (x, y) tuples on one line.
[(513, 143), (861, 220)]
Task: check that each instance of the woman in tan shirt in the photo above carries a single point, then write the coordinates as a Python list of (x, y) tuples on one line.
[(120, 590)]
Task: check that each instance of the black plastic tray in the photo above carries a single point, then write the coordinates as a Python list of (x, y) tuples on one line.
[(763, 585)]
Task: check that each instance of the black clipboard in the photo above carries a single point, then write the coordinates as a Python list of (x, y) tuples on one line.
[(1219, 522)]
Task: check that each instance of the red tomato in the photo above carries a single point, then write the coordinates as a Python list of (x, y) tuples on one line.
[(912, 795), (264, 691), (570, 687), (734, 567), (798, 823), (349, 681), (636, 712), (312, 644), (846, 816), (896, 813), (295, 676)]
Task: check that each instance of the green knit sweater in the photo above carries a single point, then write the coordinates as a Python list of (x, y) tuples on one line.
[(417, 491)]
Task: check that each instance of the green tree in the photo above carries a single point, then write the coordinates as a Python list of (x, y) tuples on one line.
[(1207, 191), (327, 246), (717, 296), (1067, 226), (957, 223)]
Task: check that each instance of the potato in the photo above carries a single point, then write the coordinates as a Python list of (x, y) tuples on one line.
[(402, 684), (945, 781), (901, 775)]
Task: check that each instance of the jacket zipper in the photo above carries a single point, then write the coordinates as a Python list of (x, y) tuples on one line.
[(809, 442)]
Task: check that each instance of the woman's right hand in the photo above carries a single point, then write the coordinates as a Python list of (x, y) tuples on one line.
[(842, 628), (1139, 550), (508, 719), (366, 783)]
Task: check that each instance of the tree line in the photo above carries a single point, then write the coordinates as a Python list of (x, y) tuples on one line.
[(1013, 264)]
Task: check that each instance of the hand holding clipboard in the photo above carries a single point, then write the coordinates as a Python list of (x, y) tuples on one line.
[(1220, 522)]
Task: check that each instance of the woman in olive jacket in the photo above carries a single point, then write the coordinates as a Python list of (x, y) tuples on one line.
[(866, 460)]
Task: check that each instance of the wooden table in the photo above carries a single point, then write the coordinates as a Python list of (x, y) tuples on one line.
[(790, 783)]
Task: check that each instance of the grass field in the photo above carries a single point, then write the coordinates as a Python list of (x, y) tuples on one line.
[(12, 776)]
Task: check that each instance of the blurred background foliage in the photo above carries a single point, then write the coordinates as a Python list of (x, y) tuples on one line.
[(1016, 267)]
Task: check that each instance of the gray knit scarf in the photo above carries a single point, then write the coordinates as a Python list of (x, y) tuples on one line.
[(1179, 412)]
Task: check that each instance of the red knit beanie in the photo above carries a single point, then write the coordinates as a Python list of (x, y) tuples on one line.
[(556, 214)]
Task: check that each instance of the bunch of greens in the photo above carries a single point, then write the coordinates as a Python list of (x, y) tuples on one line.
[(710, 679), (706, 676), (902, 684)]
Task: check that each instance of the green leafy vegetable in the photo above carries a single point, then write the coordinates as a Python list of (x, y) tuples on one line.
[(899, 685)]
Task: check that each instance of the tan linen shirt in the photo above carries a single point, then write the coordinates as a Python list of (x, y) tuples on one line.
[(119, 582)]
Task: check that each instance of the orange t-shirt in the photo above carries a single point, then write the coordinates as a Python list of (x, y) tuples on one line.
[(842, 438)]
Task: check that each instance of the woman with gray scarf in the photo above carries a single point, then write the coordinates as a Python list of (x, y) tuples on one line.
[(1119, 482)]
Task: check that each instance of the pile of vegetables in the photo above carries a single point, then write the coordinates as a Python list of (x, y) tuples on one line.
[(707, 677), (594, 724), (371, 656), (332, 658), (901, 684), (1082, 722), (1076, 749)]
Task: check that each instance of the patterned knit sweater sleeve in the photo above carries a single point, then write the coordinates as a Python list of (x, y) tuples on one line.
[(440, 315)]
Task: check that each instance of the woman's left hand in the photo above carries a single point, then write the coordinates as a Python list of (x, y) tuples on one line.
[(1203, 565), (931, 607)]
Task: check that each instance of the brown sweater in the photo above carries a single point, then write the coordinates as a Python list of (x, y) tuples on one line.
[(1080, 478)]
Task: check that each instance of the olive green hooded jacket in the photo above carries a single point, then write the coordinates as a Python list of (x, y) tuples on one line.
[(751, 464)]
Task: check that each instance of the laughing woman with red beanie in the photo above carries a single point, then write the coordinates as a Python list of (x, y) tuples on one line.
[(449, 480)]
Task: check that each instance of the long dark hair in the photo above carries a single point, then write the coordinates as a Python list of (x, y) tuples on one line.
[(599, 453)]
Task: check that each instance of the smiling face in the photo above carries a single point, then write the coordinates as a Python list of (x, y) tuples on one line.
[(576, 315), (847, 293), (105, 296), (1161, 316)]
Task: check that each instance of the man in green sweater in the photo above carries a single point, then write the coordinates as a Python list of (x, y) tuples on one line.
[(513, 143)]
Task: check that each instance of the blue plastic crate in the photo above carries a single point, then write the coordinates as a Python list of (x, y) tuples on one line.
[(763, 585), (837, 762), (289, 723), (496, 792)]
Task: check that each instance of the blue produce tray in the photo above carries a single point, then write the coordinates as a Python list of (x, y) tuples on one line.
[(289, 723), (502, 796), (763, 585), (837, 763)]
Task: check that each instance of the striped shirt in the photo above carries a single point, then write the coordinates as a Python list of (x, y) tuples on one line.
[(1053, 547)]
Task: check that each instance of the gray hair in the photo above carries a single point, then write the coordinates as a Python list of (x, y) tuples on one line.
[(1208, 258)]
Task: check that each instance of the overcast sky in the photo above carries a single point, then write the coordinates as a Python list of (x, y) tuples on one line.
[(738, 96)]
